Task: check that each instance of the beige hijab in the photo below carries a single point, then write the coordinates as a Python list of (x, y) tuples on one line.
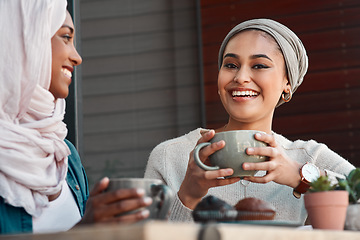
[(291, 46), (33, 154)]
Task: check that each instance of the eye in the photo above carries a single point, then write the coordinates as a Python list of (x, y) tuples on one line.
[(67, 37), (230, 65), (260, 66)]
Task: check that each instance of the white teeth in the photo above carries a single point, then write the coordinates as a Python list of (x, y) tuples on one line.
[(244, 93), (66, 72)]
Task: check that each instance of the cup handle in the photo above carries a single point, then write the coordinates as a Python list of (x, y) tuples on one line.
[(166, 196), (199, 162)]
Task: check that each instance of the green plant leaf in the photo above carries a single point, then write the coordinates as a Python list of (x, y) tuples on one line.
[(322, 184), (352, 185), (354, 175)]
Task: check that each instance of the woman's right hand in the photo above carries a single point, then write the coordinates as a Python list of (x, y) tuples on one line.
[(198, 181), (104, 206)]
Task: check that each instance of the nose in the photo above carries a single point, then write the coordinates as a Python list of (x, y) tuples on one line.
[(242, 76), (75, 57)]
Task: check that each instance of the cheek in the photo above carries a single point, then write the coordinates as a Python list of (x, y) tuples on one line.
[(224, 78)]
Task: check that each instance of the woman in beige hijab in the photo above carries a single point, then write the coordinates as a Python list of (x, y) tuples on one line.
[(261, 64)]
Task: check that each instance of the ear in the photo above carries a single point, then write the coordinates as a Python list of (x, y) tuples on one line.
[(287, 86)]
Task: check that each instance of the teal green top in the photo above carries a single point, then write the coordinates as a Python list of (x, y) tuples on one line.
[(17, 220)]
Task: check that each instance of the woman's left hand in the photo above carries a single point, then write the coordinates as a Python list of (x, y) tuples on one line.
[(279, 167)]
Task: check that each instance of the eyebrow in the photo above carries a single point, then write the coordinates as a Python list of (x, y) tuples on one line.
[(233, 55), (69, 27), (260, 56)]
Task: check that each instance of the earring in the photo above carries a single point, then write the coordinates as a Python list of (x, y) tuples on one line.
[(288, 97)]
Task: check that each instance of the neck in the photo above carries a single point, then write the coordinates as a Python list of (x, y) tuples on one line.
[(235, 125)]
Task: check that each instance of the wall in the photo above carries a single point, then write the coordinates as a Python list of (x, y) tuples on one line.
[(326, 106), (140, 79)]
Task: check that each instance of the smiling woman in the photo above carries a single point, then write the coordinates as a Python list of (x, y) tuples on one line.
[(257, 72), (64, 58), (43, 185), (261, 64)]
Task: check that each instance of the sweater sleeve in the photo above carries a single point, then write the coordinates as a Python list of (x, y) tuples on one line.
[(168, 162), (334, 165), (179, 212), (156, 169), (328, 160)]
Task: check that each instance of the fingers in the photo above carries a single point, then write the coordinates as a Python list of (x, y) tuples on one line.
[(100, 186), (124, 206), (206, 136), (208, 150), (279, 168), (227, 181), (263, 151), (264, 166), (210, 175), (270, 151), (106, 207), (217, 178), (134, 217), (264, 179), (205, 152), (266, 138), (120, 194)]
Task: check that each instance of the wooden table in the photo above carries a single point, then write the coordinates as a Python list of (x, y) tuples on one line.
[(190, 231)]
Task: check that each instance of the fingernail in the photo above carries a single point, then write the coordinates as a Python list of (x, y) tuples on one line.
[(105, 179), (145, 213), (245, 166), (258, 134), (140, 191), (148, 200), (220, 143), (249, 150)]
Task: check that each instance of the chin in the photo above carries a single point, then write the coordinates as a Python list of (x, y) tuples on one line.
[(61, 95)]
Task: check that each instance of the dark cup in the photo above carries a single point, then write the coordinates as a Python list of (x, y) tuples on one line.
[(161, 194)]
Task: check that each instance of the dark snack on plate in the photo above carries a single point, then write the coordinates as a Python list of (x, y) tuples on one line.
[(254, 209), (213, 209)]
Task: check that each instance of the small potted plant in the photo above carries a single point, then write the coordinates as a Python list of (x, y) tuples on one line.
[(326, 204), (351, 184)]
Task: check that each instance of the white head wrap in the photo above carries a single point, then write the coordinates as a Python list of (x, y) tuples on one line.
[(293, 50), (33, 154)]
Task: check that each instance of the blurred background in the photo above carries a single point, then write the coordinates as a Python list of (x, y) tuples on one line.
[(149, 74)]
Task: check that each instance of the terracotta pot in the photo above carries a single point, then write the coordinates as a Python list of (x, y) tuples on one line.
[(327, 210), (352, 221)]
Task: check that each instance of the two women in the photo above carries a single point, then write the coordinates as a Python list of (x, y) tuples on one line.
[(261, 64)]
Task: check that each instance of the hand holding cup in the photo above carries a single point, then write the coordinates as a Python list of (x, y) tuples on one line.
[(233, 155)]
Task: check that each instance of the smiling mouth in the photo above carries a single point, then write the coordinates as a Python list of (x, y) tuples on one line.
[(66, 72), (244, 93)]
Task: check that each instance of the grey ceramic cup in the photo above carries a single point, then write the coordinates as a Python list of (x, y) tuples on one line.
[(233, 155), (161, 194)]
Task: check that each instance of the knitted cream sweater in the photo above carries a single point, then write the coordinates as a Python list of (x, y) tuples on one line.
[(168, 162)]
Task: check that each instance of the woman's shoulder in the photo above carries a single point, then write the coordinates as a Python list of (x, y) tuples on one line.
[(309, 149), (76, 177), (308, 145), (73, 158)]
